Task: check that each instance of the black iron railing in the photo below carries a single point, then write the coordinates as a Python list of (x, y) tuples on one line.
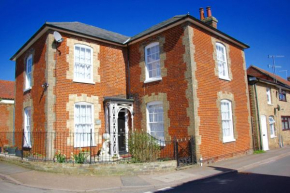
[(91, 147)]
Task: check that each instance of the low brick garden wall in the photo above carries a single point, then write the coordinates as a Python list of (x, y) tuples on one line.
[(107, 169)]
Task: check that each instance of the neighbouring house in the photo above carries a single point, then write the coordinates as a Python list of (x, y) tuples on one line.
[(7, 112), (182, 77), (270, 108)]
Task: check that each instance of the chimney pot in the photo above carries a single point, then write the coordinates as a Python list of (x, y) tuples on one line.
[(201, 13), (208, 10)]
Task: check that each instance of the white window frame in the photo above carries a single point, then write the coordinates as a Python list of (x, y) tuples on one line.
[(83, 80), (269, 99), (27, 128), (155, 78), (225, 68), (229, 138), (79, 135), (28, 72), (160, 141), (272, 126)]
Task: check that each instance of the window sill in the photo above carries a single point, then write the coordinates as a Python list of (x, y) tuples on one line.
[(229, 140), (225, 78), (78, 81), (273, 136), (270, 104), (153, 80)]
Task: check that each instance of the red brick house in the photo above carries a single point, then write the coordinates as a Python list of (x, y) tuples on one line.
[(182, 77), (7, 112)]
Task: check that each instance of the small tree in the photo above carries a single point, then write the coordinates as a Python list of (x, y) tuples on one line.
[(143, 147)]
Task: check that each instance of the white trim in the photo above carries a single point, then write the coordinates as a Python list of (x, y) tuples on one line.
[(231, 137), (90, 81), (268, 94), (7, 101), (155, 78), (76, 143)]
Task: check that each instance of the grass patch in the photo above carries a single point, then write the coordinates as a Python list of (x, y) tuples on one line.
[(259, 151)]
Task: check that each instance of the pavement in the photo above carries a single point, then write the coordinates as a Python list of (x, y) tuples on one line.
[(82, 183)]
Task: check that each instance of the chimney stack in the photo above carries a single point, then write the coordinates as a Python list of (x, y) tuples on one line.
[(201, 13), (288, 78), (209, 20)]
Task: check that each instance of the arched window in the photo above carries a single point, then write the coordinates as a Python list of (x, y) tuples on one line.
[(152, 60), (227, 121), (83, 63), (28, 69), (222, 61), (272, 127), (84, 124)]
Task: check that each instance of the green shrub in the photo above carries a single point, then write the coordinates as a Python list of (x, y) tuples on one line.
[(143, 147), (60, 158), (81, 157)]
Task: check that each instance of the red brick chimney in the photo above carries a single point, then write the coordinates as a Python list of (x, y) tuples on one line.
[(201, 13), (209, 20)]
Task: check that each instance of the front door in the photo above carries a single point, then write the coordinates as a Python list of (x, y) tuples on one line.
[(264, 133), (121, 133)]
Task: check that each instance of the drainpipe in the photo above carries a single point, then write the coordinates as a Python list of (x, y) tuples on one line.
[(128, 70)]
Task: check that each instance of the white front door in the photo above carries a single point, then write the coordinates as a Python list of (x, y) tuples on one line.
[(264, 133)]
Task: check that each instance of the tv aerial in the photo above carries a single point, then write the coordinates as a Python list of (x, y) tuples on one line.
[(57, 37)]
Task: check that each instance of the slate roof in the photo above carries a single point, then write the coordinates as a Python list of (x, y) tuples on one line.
[(90, 31), (271, 75), (7, 89), (159, 26)]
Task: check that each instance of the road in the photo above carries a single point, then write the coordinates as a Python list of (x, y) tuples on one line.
[(270, 177)]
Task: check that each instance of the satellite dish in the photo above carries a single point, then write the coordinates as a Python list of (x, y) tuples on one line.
[(57, 37)]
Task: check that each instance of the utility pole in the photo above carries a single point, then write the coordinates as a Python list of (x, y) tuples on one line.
[(273, 66)]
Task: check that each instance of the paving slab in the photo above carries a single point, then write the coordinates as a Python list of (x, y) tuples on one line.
[(133, 181)]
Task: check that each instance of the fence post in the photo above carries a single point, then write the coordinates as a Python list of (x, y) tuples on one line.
[(22, 144), (192, 154), (91, 145), (176, 150)]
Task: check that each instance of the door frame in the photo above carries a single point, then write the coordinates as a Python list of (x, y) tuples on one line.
[(264, 133)]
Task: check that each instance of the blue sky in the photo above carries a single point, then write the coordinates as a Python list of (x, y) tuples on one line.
[(262, 24)]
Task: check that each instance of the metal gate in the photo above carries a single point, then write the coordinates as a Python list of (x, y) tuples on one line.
[(184, 151)]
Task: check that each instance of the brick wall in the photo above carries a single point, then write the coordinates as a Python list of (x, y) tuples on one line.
[(23, 98), (6, 124), (207, 90)]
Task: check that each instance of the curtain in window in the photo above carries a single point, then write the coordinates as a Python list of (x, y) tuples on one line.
[(28, 71), (83, 125), (27, 128), (227, 123), (83, 63), (156, 121), (222, 63)]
